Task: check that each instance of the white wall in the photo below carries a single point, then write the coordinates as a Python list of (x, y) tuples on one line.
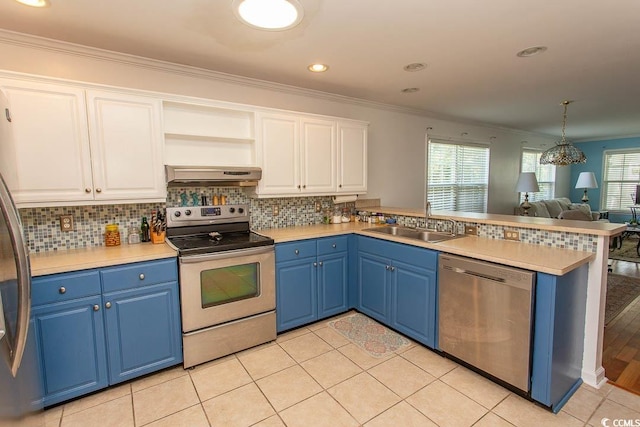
[(396, 136)]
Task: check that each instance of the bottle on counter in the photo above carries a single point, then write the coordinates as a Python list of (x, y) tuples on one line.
[(145, 233)]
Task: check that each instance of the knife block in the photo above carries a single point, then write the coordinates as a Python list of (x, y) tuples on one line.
[(157, 238)]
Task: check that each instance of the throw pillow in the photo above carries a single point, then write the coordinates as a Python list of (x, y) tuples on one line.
[(575, 214), (554, 208), (539, 209), (565, 204), (583, 207)]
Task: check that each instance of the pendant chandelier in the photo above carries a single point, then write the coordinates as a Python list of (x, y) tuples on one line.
[(563, 153)]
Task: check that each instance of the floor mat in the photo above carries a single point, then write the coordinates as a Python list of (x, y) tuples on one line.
[(369, 335), (621, 291)]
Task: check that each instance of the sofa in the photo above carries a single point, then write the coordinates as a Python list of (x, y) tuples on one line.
[(560, 208)]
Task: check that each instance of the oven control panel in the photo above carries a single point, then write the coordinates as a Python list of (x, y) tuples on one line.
[(194, 215)]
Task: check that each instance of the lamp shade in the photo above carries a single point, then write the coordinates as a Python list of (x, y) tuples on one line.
[(527, 183), (587, 180)]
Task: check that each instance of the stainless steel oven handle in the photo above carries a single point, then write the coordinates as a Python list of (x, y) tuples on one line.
[(188, 259)]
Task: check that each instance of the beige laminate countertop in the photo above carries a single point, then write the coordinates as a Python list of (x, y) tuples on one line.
[(523, 255), (597, 228), (95, 257)]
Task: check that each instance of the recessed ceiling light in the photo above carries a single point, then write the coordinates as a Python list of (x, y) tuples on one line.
[(531, 51), (416, 66), (410, 90), (318, 68), (34, 3), (271, 15)]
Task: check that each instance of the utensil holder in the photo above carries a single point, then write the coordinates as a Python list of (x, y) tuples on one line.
[(157, 237)]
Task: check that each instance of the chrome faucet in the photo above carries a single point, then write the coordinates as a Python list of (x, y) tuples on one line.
[(454, 226), (427, 214)]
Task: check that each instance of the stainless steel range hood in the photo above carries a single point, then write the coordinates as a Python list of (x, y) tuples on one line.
[(236, 176)]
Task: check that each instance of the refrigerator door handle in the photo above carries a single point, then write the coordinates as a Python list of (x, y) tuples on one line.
[(3, 327), (14, 226)]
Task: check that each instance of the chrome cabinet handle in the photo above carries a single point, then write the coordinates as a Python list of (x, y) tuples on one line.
[(108, 304), (386, 267), (315, 264), (96, 307), (98, 190), (62, 290), (87, 190), (141, 276), (298, 186), (297, 252), (392, 268), (340, 186), (320, 263), (304, 186), (333, 246)]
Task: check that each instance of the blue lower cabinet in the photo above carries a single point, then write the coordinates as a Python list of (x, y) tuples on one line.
[(88, 338), (397, 286), (312, 280), (558, 341), (71, 348), (141, 330)]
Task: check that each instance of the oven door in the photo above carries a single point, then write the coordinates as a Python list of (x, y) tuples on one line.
[(224, 286)]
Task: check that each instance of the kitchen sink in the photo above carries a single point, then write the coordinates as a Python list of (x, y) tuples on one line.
[(414, 233)]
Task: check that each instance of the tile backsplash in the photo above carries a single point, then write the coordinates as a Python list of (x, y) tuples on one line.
[(42, 225)]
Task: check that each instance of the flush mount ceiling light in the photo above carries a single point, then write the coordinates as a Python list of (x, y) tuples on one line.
[(318, 68), (34, 3), (563, 153), (415, 66), (270, 15), (410, 90), (531, 51)]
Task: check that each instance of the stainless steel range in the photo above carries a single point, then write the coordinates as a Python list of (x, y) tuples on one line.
[(227, 281)]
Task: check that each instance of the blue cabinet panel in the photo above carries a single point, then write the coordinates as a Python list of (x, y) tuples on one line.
[(139, 274), (373, 298), (296, 293), (331, 245), (64, 287), (143, 333), (558, 340), (71, 348), (295, 250), (332, 279), (413, 302)]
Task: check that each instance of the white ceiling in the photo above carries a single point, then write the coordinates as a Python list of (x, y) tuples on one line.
[(470, 47)]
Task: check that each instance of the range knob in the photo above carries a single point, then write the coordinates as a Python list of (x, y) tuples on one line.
[(240, 210), (232, 210), (177, 214), (187, 212)]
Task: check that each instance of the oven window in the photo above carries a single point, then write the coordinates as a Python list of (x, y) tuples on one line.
[(228, 284)]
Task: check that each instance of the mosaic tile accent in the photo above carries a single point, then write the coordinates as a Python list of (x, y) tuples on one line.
[(42, 227)]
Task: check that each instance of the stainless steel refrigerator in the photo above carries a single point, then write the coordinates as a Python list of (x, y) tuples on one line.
[(20, 380)]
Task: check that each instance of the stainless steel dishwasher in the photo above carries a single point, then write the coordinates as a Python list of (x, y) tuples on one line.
[(485, 317)]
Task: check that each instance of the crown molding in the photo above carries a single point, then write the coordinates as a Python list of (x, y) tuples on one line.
[(73, 49)]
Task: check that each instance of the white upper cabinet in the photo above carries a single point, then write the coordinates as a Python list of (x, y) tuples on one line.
[(126, 146), (72, 150), (301, 155), (50, 143), (352, 157)]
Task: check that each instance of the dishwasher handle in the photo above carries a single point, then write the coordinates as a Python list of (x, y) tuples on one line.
[(480, 275)]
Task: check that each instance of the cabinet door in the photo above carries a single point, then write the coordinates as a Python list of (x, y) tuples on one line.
[(373, 286), (126, 146), (296, 293), (332, 284), (413, 301), (143, 330), (70, 339), (279, 154), (50, 148), (352, 158), (318, 156)]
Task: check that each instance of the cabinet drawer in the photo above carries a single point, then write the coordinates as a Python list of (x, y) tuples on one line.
[(331, 245), (64, 287), (139, 274), (295, 250)]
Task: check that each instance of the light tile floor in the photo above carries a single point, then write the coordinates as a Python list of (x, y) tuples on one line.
[(313, 376)]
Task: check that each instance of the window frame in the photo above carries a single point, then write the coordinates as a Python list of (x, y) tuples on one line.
[(459, 187), (623, 207)]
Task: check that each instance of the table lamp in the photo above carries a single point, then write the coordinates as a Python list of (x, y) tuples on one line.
[(586, 180), (527, 182)]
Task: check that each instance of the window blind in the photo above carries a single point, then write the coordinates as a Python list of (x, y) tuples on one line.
[(621, 174), (545, 174), (458, 177)]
